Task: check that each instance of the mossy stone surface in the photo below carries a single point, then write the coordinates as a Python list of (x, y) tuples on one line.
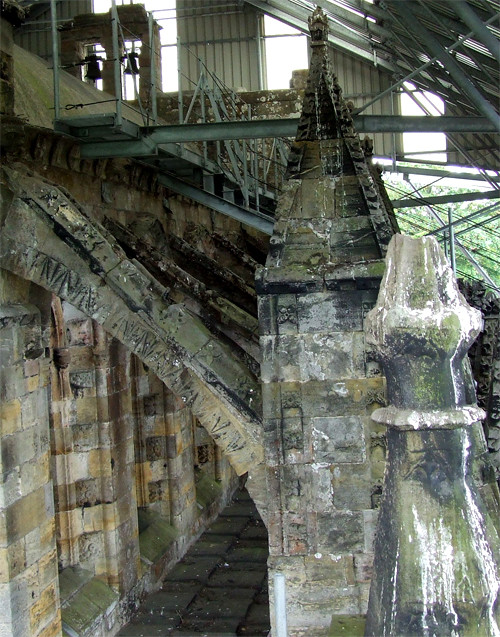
[(207, 490), (347, 626), (156, 539)]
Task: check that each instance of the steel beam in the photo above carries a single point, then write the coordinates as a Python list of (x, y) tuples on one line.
[(421, 124), (252, 218), (442, 199), (449, 62), (472, 20), (253, 129), (464, 250), (151, 137), (473, 215), (345, 39), (432, 172), (126, 148)]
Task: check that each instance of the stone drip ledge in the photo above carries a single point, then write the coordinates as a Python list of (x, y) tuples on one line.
[(156, 538), (87, 603), (412, 419)]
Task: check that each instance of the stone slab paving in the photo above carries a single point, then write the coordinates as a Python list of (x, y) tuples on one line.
[(219, 588)]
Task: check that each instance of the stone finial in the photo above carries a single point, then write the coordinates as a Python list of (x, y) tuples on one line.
[(318, 25), (435, 569), (422, 327)]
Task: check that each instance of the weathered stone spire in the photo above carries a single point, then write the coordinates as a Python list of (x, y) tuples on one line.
[(319, 385), (331, 210), (319, 119), (436, 550)]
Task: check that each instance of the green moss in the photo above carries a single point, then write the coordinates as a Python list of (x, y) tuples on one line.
[(156, 538), (347, 626), (88, 600), (207, 490)]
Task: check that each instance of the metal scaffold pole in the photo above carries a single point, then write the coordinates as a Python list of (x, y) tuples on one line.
[(55, 57), (116, 63), (154, 110)]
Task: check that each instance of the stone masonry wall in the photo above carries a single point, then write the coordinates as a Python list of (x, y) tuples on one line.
[(29, 588), (75, 458)]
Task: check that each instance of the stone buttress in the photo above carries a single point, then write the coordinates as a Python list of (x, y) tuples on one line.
[(323, 455)]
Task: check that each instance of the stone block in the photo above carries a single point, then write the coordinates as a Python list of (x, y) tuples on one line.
[(341, 396), (296, 538), (330, 569), (4, 565), (82, 382), (87, 493), (54, 628), (158, 470), (295, 484), (271, 399), (24, 515), (318, 197), (352, 625), (34, 473), (86, 411), (188, 333), (309, 255), (34, 409), (363, 567), (286, 309), (156, 448), (330, 356), (91, 548), (82, 358), (351, 489), (10, 416), (16, 558), (32, 550), (100, 464), (370, 518), (85, 436), (291, 399), (330, 312), (321, 490), (312, 606), (340, 532), (10, 490), (338, 439), (292, 440), (12, 383), (47, 568), (280, 358), (47, 534), (32, 383), (267, 311), (43, 609), (79, 332)]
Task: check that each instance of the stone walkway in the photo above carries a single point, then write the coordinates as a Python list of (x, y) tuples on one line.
[(219, 588)]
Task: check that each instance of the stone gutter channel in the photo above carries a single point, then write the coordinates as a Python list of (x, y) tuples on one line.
[(219, 587)]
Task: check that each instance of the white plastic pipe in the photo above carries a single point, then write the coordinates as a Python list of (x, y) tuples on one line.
[(280, 605)]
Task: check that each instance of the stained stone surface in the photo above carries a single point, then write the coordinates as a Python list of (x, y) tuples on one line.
[(437, 545), (320, 382)]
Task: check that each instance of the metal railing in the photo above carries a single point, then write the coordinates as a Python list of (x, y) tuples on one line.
[(253, 170)]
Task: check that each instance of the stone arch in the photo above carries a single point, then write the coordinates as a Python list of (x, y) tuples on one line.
[(48, 239)]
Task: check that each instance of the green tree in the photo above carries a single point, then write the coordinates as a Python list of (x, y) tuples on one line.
[(480, 236)]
